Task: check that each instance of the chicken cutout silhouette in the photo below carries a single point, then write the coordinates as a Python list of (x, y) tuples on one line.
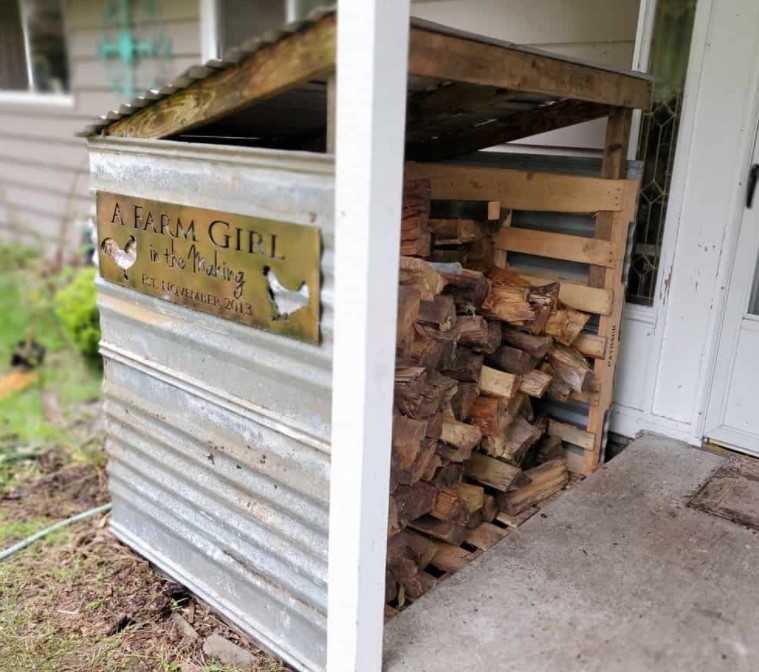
[(285, 301), (125, 258)]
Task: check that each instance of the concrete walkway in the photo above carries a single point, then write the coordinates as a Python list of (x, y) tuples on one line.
[(616, 575)]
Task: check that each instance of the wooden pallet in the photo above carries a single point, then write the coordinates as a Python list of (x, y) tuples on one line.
[(613, 203)]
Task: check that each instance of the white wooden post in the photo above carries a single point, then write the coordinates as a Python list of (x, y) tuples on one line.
[(372, 57)]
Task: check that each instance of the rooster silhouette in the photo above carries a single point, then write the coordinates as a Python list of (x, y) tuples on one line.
[(124, 258), (285, 301)]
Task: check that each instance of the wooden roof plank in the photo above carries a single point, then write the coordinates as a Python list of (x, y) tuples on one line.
[(513, 127), (449, 57), (520, 189), (287, 63)]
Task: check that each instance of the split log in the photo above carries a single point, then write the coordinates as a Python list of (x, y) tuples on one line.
[(432, 467), (536, 346), (543, 301), (460, 435), (450, 558), (495, 383), (421, 396), (413, 501), (391, 589), (448, 476), (407, 437), (440, 313), (424, 549), (473, 496), (516, 521), (565, 325), (545, 480), (508, 303), (409, 301), (409, 381), (494, 473), (393, 524), (520, 404), (535, 383), (445, 530), (513, 445), (464, 399), (434, 426), (448, 506), (571, 367), (431, 347), (403, 568), (415, 473), (475, 520), (490, 509), (468, 288), (477, 334), (512, 360), (418, 274), (489, 414), (415, 214), (549, 448), (464, 366), (485, 536)]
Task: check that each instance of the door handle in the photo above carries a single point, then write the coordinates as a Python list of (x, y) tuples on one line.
[(753, 176)]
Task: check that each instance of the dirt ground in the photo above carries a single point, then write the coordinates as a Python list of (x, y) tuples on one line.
[(79, 600)]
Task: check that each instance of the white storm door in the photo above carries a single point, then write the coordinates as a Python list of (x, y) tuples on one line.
[(733, 412)]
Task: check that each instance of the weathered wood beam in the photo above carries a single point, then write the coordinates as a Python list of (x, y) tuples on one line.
[(449, 57), (426, 109), (291, 61), (513, 127)]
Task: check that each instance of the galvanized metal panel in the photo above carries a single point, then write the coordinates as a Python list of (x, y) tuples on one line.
[(217, 433)]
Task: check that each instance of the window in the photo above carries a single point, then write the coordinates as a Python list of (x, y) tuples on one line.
[(33, 47), (668, 62), (243, 19)]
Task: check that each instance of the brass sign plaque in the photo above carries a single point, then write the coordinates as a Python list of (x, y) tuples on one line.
[(256, 271)]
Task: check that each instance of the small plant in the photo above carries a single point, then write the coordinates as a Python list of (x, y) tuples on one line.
[(77, 312)]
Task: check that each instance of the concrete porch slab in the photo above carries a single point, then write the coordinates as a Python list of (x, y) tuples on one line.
[(616, 575)]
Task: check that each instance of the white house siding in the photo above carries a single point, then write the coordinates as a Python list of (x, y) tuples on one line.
[(43, 167)]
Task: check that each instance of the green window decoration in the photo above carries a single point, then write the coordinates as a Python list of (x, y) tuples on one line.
[(133, 46)]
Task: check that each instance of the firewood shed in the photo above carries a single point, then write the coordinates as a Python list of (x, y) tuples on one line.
[(250, 238)]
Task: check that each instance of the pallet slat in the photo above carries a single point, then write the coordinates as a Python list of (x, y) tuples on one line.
[(556, 246), (520, 189), (571, 434)]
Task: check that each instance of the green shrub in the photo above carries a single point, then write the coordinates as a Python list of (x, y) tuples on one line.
[(77, 312)]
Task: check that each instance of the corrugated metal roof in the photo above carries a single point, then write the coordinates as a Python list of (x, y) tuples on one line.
[(237, 54)]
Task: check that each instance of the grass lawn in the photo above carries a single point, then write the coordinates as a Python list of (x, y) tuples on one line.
[(78, 600)]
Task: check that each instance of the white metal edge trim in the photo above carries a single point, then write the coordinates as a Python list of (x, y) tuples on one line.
[(272, 159), (241, 407)]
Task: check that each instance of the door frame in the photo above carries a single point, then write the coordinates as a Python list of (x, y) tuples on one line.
[(721, 358)]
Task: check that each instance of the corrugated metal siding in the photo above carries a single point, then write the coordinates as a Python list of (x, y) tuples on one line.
[(43, 166), (218, 434)]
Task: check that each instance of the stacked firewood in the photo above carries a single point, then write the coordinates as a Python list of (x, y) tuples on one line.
[(475, 349)]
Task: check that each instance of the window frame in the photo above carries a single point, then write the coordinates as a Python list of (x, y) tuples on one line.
[(31, 96)]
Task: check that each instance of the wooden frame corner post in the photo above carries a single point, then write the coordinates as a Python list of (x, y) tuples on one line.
[(372, 50)]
